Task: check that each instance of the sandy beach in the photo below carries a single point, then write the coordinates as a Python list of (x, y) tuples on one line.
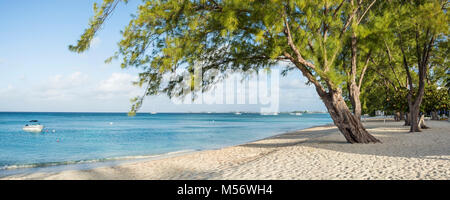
[(314, 153)]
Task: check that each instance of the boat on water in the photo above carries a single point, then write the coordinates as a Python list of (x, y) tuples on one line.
[(34, 126), (153, 113), (299, 114), (238, 113)]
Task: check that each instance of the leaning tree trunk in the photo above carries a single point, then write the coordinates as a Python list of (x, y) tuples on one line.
[(349, 125)]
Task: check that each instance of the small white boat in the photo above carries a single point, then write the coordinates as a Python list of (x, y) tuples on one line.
[(33, 127), (153, 113), (238, 113)]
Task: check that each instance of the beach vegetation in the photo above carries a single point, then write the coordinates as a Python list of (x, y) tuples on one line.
[(333, 43)]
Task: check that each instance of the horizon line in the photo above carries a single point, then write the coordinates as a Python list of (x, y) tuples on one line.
[(206, 112)]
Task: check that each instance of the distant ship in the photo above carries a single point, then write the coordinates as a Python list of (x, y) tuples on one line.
[(274, 113), (153, 113), (238, 113), (295, 114)]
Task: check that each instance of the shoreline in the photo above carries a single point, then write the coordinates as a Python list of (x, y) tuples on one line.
[(86, 164), (318, 152), (116, 161)]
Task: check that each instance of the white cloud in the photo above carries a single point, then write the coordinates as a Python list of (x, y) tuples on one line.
[(59, 86), (78, 85), (95, 42), (78, 91), (71, 92), (23, 77), (59, 81), (118, 84), (292, 83), (4, 91)]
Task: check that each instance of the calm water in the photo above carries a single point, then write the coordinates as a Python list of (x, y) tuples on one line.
[(70, 138)]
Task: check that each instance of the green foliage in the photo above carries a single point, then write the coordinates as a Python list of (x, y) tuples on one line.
[(435, 99), (174, 36), (101, 14), (405, 30)]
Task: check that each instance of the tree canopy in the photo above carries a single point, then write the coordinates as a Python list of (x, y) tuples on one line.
[(334, 44)]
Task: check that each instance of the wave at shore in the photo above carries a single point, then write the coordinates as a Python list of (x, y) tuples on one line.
[(11, 168)]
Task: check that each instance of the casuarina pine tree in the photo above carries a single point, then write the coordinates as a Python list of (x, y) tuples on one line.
[(230, 35)]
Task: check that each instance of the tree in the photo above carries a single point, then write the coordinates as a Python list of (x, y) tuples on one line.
[(417, 44), (435, 99), (241, 35), (358, 34), (395, 61), (417, 37), (386, 81)]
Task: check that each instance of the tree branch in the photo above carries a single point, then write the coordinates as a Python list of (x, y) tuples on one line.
[(307, 74), (362, 16), (292, 45), (338, 8), (405, 64), (390, 63), (361, 77)]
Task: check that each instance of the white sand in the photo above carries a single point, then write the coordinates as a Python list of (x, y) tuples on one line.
[(315, 153)]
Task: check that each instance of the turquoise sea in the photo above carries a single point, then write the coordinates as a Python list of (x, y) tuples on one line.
[(77, 138)]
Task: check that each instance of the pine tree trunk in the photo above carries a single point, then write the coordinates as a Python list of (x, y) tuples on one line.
[(356, 102), (349, 125), (354, 88), (407, 119), (414, 107), (434, 115), (413, 118)]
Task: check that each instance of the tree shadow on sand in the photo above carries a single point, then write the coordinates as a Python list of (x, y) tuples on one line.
[(397, 141), (121, 173)]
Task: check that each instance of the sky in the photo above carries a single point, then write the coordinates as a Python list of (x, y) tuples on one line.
[(39, 74)]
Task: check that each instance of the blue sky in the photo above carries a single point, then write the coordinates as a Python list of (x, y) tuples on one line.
[(39, 73)]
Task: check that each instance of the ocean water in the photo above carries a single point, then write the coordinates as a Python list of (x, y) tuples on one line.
[(71, 138)]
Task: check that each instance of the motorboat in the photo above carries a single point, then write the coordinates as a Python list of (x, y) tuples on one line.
[(34, 126), (238, 113)]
